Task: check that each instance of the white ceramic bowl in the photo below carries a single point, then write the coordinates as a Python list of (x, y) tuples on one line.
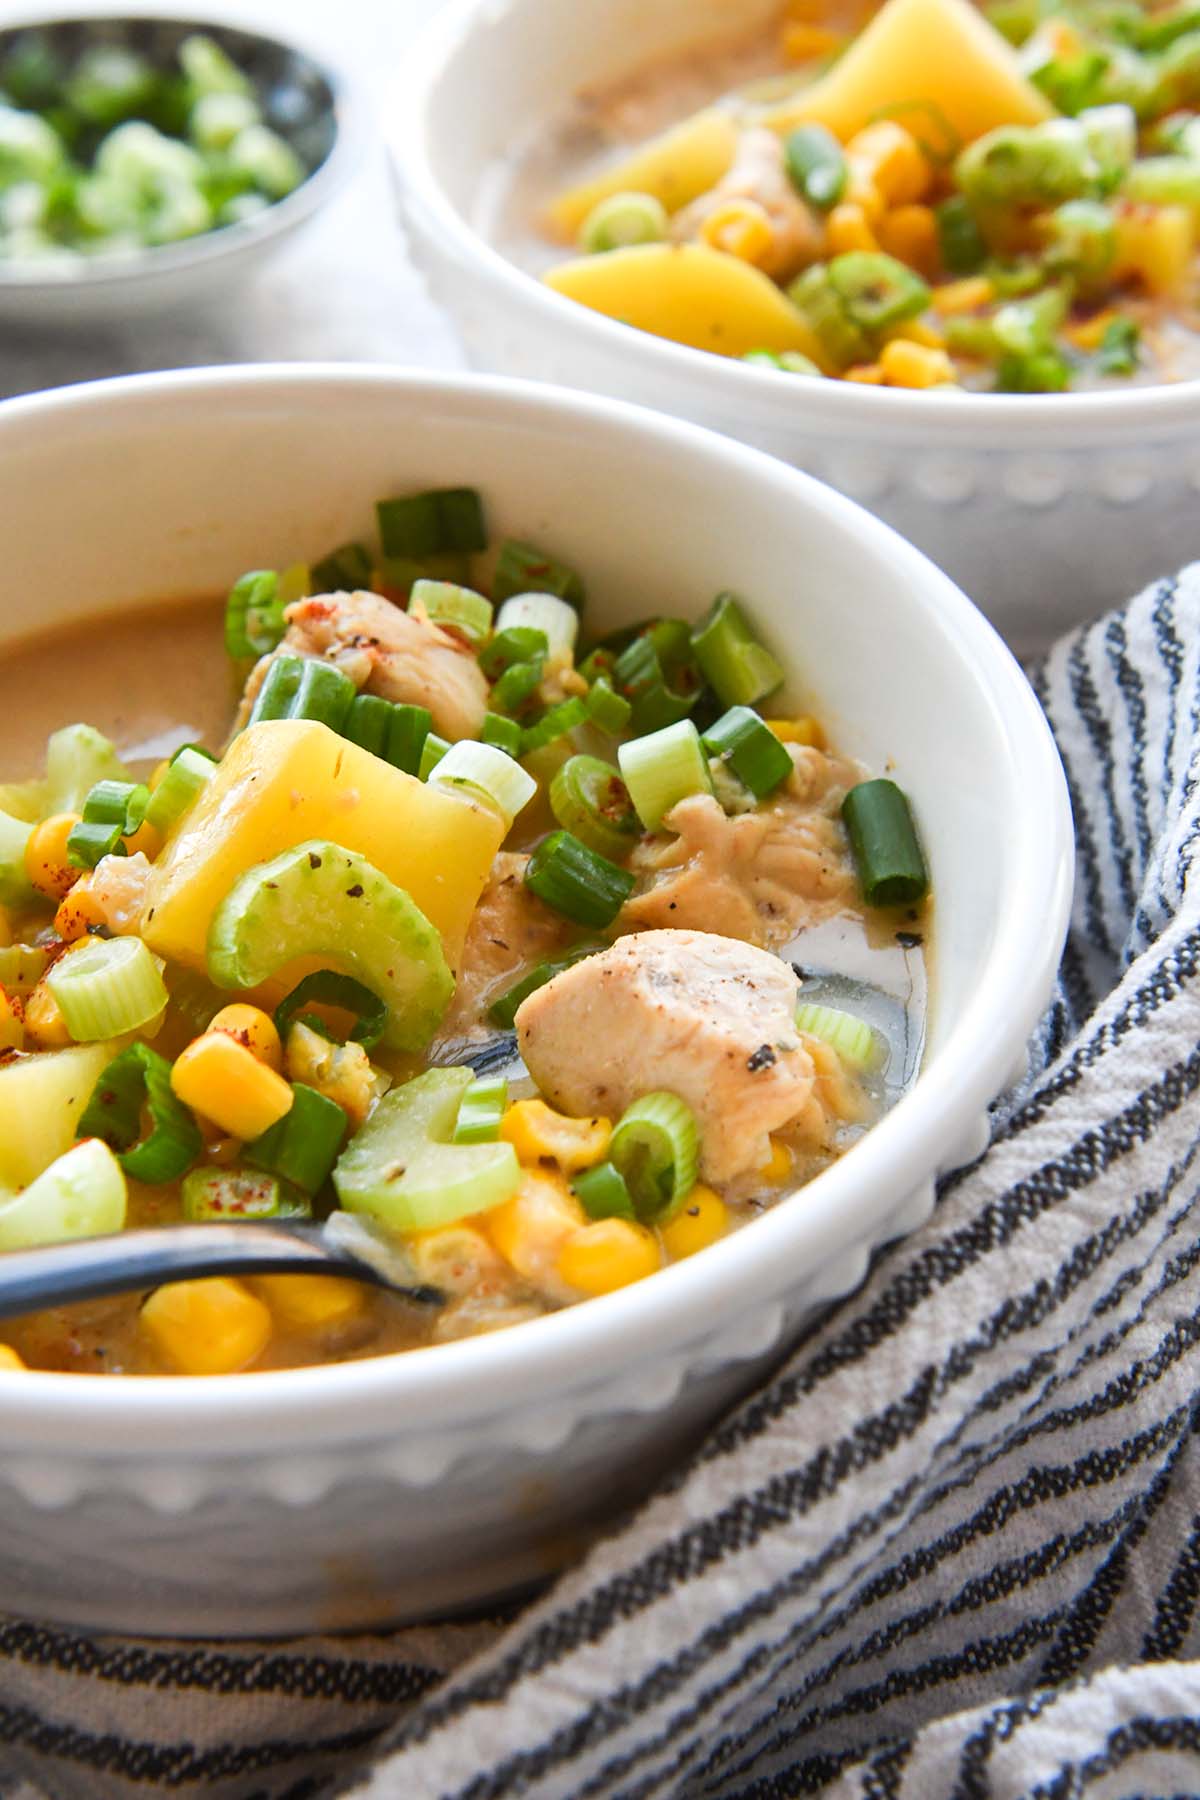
[(347, 1496), (308, 101), (1045, 509)]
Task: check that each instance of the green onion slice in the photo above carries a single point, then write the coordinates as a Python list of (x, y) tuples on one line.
[(742, 741), (662, 769), (852, 1038), (576, 882), (887, 853), (112, 811), (739, 669), (459, 608), (504, 734), (109, 986), (503, 1011), (607, 709), (877, 290), (326, 987), (138, 1081), (643, 675), (588, 798), (554, 723), (482, 769), (481, 1110), (228, 1196), (524, 569), (621, 220), (521, 644), (394, 731), (432, 751), (302, 1147), (603, 1193), (817, 165), (343, 570), (189, 774), (254, 621), (545, 613), (656, 1148), (432, 523), (517, 686)]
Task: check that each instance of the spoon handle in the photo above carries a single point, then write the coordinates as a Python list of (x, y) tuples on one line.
[(90, 1267)]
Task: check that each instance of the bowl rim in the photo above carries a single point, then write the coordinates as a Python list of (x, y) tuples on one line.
[(822, 404), (485, 1379), (349, 112)]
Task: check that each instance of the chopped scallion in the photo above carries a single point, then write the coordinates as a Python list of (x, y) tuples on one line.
[(254, 621), (504, 734), (112, 811), (517, 686), (554, 723), (576, 882), (887, 853), (302, 1147), (656, 1148), (607, 709), (603, 1194), (459, 608), (817, 165), (482, 769), (739, 669), (138, 1080), (503, 1011), (589, 798), (429, 524), (520, 645), (343, 570), (662, 769), (852, 1038), (189, 773), (432, 751), (328, 987), (106, 987), (524, 569), (304, 687), (481, 1110), (750, 748), (546, 613)]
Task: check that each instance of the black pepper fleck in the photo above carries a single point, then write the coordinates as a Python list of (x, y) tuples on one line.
[(762, 1058), (355, 892)]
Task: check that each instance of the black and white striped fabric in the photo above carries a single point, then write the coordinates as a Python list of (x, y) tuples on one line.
[(953, 1550)]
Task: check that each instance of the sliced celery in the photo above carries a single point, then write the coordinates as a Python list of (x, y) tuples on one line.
[(81, 1195)]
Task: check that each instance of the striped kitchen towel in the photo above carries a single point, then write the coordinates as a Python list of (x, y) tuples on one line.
[(953, 1549)]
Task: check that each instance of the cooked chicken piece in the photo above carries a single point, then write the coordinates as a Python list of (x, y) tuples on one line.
[(758, 173), (698, 1015), (759, 875), (510, 931), (388, 652)]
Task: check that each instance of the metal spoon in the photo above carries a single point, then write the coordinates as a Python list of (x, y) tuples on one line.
[(58, 1274)]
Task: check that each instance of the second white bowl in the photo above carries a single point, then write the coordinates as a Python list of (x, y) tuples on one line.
[(1046, 509)]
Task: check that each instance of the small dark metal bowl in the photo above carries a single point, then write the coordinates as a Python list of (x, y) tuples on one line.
[(304, 99)]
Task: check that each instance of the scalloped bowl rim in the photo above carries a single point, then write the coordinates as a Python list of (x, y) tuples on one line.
[(280, 217), (735, 383), (578, 1347)]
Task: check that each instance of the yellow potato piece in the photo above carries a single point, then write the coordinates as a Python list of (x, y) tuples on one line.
[(685, 161), (1158, 245), (691, 294), (286, 780), (942, 54)]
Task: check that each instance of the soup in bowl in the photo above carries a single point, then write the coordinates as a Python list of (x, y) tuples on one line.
[(647, 1166)]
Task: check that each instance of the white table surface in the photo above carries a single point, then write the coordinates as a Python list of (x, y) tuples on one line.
[(342, 291)]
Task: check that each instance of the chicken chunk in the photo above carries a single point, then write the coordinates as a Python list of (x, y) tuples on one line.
[(758, 875), (698, 1015), (387, 651), (758, 173)]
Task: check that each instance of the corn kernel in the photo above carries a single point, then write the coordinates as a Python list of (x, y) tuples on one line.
[(1088, 334), (46, 856), (530, 1229), (79, 911), (893, 159), (210, 1327), (968, 295), (12, 1021), (9, 1358), (217, 1076), (914, 366), (801, 41), (147, 838), (45, 1027), (700, 1221), (740, 228), (910, 233), (312, 1300), (455, 1258), (778, 1165), (609, 1254), (250, 1026), (805, 731), (848, 230), (916, 331), (861, 191), (869, 374), (535, 1131)]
